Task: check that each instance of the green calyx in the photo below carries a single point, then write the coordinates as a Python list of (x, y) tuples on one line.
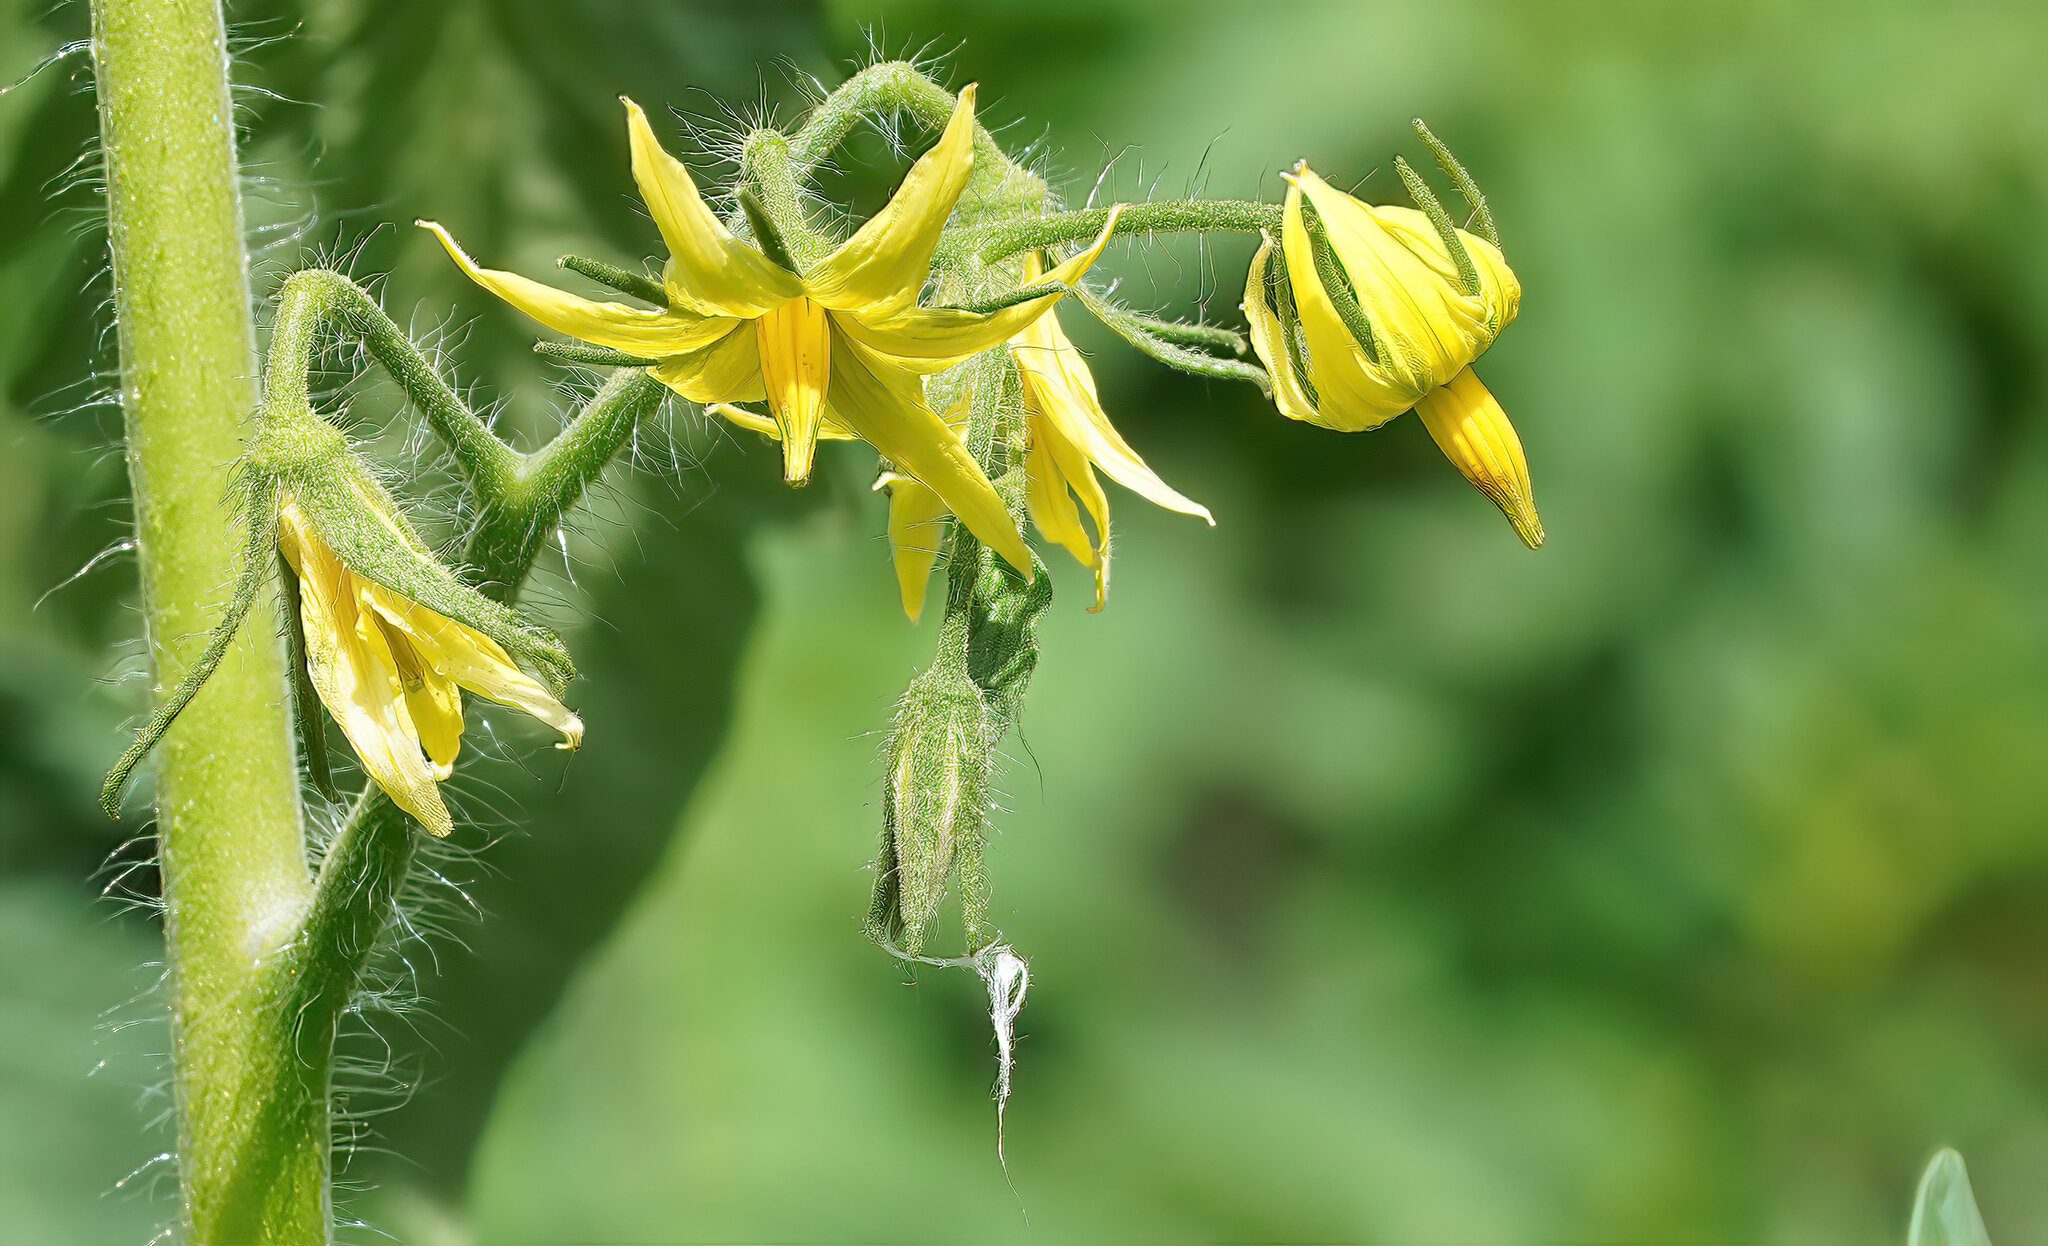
[(360, 520)]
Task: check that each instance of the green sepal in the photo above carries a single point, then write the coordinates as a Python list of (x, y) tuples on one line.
[(591, 356), (1336, 284), (934, 801), (625, 281), (308, 718), (1183, 347), (1010, 298), (1002, 630), (1482, 213), (258, 502), (363, 524), (1207, 337), (970, 870), (767, 234), (1280, 297), (1433, 208)]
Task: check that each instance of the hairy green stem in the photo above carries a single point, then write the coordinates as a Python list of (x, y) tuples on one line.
[(315, 300), (771, 202), (998, 240), (898, 86), (229, 821), (878, 91)]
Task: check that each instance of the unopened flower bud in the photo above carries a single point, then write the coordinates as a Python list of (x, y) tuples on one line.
[(935, 800)]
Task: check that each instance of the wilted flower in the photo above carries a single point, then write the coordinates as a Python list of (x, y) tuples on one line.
[(844, 341), (1380, 309), (389, 670)]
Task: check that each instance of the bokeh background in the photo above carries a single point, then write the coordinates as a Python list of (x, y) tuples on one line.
[(1382, 881)]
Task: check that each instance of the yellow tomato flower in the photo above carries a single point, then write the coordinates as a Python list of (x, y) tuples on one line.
[(389, 670), (1423, 329), (1068, 436), (840, 345)]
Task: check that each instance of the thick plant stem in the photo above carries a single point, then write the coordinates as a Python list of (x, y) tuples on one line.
[(229, 821), (368, 863)]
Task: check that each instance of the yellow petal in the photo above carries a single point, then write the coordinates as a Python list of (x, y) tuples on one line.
[(796, 361), (917, 529), (884, 264), (931, 339), (1055, 470), (1269, 341), (1473, 432), (639, 331), (356, 677), (432, 701), (711, 273), (1353, 393), (885, 406), (729, 370), (474, 661), (829, 429), (1061, 389)]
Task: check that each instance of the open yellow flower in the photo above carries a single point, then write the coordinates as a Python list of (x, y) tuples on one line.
[(841, 344), (1068, 436), (390, 672), (1422, 325)]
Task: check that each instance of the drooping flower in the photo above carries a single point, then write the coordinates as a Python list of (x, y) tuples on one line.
[(391, 670), (1374, 313), (842, 343), (1068, 436)]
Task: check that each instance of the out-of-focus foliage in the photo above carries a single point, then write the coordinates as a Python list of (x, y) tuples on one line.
[(1382, 881)]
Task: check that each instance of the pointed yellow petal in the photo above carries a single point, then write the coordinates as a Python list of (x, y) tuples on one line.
[(917, 529), (1473, 432), (637, 331), (796, 361), (474, 661), (1059, 386), (1269, 341), (432, 701), (436, 709), (884, 264), (885, 406), (1353, 393), (1054, 471), (726, 371), (711, 273), (356, 677), (379, 727), (931, 339), (829, 429)]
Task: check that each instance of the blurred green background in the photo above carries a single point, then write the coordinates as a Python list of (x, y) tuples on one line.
[(1382, 881)]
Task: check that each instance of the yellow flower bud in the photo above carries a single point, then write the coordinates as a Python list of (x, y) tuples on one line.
[(1373, 311)]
